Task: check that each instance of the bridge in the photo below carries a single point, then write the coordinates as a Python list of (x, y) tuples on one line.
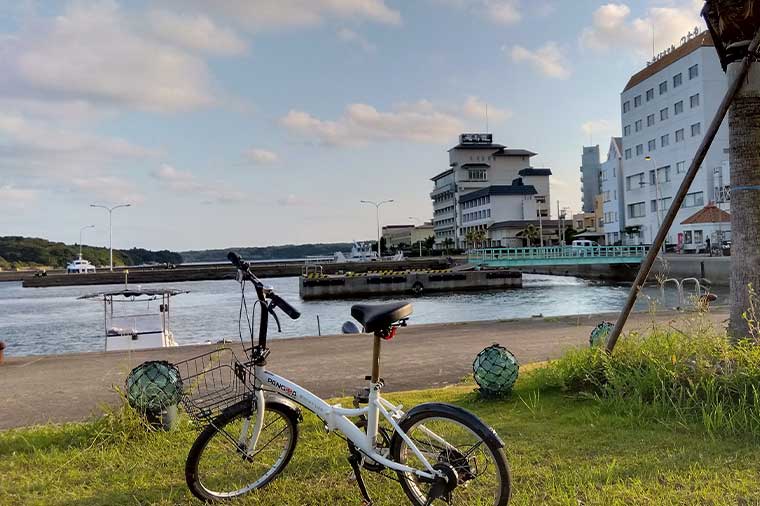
[(557, 255)]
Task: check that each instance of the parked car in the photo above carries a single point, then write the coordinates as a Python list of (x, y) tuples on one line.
[(584, 243)]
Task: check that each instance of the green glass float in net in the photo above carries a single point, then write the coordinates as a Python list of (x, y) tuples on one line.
[(600, 333), (495, 371), (153, 386)]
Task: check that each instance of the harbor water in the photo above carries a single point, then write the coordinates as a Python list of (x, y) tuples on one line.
[(37, 321)]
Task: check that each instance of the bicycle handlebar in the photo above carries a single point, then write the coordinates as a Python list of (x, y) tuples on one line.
[(277, 301)]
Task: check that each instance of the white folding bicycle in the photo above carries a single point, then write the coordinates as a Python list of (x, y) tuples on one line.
[(439, 452)]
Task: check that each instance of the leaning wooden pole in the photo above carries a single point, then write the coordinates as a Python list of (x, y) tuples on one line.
[(670, 217)]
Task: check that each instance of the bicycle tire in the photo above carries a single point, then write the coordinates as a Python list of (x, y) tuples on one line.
[(218, 429), (436, 411)]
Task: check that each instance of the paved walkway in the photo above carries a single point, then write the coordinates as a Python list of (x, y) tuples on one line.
[(75, 386)]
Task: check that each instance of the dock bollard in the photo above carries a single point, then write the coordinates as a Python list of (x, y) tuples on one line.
[(2, 351)]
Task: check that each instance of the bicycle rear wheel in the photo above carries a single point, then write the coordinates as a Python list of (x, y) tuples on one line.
[(458, 440), (220, 467)]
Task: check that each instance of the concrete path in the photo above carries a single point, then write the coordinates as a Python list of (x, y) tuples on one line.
[(73, 387)]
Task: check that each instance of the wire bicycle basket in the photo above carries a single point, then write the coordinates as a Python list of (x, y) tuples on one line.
[(213, 382)]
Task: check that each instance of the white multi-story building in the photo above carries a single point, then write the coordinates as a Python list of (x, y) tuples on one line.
[(612, 193), (666, 108), (486, 183)]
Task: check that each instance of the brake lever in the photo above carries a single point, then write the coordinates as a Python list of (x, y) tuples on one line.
[(276, 318)]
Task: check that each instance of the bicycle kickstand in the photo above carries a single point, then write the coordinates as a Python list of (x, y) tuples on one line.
[(354, 459)]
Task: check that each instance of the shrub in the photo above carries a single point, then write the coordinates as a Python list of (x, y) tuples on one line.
[(693, 376)]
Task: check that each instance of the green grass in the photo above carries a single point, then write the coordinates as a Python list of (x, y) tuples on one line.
[(562, 450)]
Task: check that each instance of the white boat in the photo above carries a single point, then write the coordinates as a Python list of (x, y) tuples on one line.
[(137, 319), (80, 266)]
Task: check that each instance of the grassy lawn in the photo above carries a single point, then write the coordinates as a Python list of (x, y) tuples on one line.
[(562, 451)]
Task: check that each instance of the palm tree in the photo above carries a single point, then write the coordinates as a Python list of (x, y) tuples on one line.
[(469, 238), (733, 23), (480, 237), (530, 233)]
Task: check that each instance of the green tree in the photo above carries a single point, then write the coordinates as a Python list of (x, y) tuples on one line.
[(480, 238), (530, 234)]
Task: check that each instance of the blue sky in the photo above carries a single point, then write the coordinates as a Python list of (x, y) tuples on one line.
[(261, 122)]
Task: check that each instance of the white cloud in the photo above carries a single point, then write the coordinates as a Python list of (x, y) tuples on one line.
[(292, 201), (262, 156), (613, 28), (96, 53), (195, 31), (16, 197), (108, 188), (420, 121), (549, 59), (185, 183), (475, 108), (503, 12), (273, 14), (352, 37), (599, 131)]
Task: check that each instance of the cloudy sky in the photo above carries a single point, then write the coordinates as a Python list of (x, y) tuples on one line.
[(262, 122)]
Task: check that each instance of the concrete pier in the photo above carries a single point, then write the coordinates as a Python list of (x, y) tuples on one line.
[(406, 282), (61, 388)]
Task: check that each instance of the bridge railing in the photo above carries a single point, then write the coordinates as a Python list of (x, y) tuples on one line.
[(556, 252)]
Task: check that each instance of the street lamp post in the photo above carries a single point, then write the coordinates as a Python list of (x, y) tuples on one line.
[(416, 219), (80, 238), (377, 215), (540, 221), (657, 195), (110, 235)]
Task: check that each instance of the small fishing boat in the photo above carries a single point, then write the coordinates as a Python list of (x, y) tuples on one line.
[(136, 318)]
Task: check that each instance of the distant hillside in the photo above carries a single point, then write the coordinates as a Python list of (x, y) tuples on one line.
[(267, 252), (31, 252)]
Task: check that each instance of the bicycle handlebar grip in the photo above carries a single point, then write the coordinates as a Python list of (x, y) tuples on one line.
[(286, 308), (235, 259)]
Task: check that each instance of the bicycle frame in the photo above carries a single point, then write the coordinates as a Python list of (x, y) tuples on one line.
[(337, 418)]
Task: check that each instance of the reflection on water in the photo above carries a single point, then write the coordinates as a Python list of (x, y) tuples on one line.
[(51, 320)]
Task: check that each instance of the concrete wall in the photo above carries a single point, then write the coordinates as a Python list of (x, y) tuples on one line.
[(715, 269)]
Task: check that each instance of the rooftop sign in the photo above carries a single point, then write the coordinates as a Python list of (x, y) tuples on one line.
[(476, 139), (686, 38)]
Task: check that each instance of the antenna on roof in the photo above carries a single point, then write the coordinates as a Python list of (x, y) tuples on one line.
[(486, 118), (653, 40)]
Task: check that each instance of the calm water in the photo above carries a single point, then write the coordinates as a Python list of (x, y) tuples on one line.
[(52, 320)]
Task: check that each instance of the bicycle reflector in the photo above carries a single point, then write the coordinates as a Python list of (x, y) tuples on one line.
[(599, 335), (153, 386), (495, 371)]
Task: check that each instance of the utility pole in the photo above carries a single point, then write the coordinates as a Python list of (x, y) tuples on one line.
[(110, 230), (540, 222), (416, 219), (377, 215)]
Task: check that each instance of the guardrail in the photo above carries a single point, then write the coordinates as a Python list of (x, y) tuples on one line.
[(557, 255)]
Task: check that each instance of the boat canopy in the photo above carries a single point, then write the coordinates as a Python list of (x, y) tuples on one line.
[(136, 292)]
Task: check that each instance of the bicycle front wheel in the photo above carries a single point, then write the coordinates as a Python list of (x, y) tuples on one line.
[(450, 436), (222, 466)]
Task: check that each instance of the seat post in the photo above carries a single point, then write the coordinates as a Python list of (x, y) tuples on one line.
[(376, 359)]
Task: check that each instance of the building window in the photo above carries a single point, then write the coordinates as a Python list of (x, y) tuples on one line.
[(637, 101), (697, 237), (663, 87), (664, 114), (626, 106), (663, 174), (694, 101), (693, 71), (627, 130), (634, 182), (636, 210), (639, 149), (652, 145), (652, 177), (696, 199), (477, 175), (665, 140), (662, 204), (628, 154), (638, 125), (650, 94), (687, 237), (677, 80), (650, 120), (696, 129), (680, 167), (679, 135), (678, 108)]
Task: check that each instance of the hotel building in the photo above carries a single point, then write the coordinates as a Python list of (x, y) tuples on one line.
[(486, 183)]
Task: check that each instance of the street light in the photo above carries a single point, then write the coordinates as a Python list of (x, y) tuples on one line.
[(416, 219), (377, 211), (110, 235), (80, 238)]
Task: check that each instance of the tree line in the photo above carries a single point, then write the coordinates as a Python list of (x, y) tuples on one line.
[(18, 252)]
